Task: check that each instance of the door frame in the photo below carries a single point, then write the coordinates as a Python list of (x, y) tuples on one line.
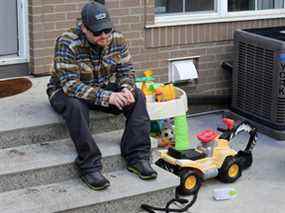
[(23, 36)]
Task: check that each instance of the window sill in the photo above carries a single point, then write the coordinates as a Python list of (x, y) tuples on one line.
[(179, 20), (12, 60)]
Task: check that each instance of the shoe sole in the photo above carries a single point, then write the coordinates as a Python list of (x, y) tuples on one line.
[(99, 188), (143, 177)]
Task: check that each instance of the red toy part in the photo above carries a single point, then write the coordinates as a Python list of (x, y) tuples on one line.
[(229, 123), (207, 135)]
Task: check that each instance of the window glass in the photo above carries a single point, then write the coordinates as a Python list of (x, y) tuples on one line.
[(178, 6), (168, 6), (189, 6), (8, 28), (269, 4), (160, 6), (199, 5), (243, 5), (174, 6), (240, 5)]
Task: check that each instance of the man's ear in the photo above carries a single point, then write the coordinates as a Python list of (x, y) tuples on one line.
[(83, 28)]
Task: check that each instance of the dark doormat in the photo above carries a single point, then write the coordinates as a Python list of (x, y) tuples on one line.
[(14, 86)]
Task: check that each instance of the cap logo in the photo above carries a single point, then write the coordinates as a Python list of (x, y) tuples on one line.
[(100, 16)]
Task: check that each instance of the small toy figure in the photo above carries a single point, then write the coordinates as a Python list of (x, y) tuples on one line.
[(167, 138)]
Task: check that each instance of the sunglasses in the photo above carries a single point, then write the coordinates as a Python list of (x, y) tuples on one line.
[(98, 33)]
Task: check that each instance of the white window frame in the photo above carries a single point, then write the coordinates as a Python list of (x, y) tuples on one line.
[(23, 37), (220, 15)]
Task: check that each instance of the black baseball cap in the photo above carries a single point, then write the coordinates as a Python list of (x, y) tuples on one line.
[(95, 17)]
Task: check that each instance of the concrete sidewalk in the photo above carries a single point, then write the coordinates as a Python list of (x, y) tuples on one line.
[(27, 118), (261, 188)]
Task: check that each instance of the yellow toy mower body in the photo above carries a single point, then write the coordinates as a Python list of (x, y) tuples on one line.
[(214, 158)]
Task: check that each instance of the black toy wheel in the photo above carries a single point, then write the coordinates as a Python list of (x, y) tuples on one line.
[(230, 170), (190, 183)]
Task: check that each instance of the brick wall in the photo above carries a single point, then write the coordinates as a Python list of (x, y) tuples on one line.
[(47, 19), (150, 47)]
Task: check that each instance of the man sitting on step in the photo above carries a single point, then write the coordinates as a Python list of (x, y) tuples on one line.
[(93, 70)]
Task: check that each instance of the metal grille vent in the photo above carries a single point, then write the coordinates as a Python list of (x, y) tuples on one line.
[(255, 80), (280, 115)]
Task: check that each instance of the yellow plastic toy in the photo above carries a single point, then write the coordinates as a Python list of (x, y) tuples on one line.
[(213, 158), (145, 83), (165, 93), (148, 73)]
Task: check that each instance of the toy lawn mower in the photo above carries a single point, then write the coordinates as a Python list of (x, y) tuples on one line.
[(213, 158)]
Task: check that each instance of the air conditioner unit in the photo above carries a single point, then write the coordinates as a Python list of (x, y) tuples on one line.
[(259, 78)]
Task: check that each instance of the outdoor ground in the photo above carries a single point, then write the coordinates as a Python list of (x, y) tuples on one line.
[(261, 188)]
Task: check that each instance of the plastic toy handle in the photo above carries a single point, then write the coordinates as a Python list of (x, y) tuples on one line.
[(229, 123), (207, 135)]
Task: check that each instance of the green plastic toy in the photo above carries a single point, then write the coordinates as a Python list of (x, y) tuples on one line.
[(181, 133)]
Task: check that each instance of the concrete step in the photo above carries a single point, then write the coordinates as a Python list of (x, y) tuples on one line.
[(28, 118), (126, 194), (50, 162)]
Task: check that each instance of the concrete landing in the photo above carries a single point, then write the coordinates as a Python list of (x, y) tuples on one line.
[(28, 109), (28, 118)]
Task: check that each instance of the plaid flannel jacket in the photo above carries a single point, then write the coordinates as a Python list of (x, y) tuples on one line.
[(82, 69)]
